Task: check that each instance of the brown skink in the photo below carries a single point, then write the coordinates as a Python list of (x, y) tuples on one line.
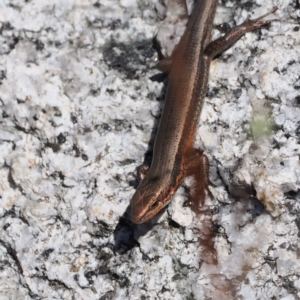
[(174, 155)]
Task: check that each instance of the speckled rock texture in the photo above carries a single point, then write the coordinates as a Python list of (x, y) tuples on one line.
[(80, 101)]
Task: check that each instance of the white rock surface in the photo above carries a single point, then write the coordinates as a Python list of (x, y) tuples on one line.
[(77, 111)]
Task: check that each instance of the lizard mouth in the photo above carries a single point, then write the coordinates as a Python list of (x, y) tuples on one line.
[(151, 211), (147, 203)]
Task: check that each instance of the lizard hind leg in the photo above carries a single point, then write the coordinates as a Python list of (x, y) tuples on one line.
[(217, 46), (164, 63), (174, 8)]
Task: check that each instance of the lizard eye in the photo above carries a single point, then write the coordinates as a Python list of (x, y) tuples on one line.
[(154, 205)]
